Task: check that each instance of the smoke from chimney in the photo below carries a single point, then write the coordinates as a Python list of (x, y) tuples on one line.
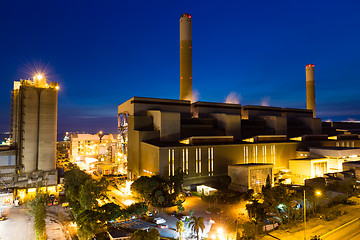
[(233, 98), (265, 101)]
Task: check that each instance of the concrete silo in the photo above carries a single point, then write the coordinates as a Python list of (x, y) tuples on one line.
[(34, 124)]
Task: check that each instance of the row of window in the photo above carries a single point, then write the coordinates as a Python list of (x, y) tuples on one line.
[(345, 144), (185, 161), (268, 156)]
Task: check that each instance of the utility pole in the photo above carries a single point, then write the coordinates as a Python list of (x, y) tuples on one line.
[(304, 216)]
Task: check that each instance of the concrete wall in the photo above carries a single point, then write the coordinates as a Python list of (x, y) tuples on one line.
[(204, 109), (150, 160), (230, 123), (29, 128), (254, 112), (138, 106), (47, 129), (168, 124), (277, 124)]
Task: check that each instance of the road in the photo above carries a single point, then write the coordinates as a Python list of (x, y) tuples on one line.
[(17, 225), (347, 231)]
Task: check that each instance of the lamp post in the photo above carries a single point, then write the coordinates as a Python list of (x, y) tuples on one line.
[(317, 193), (100, 134), (304, 216)]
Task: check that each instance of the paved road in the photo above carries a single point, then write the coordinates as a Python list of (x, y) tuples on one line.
[(17, 225), (348, 231)]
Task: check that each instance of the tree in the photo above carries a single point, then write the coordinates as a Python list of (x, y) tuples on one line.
[(180, 207), (38, 210), (143, 187), (250, 231), (152, 234), (180, 228), (196, 225), (137, 209), (83, 194)]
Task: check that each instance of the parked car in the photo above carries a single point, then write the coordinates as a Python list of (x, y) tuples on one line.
[(163, 226), (159, 220), (187, 192)]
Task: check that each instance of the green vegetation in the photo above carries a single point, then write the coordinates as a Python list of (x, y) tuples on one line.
[(158, 191), (38, 210), (196, 225), (86, 198), (180, 228), (152, 234)]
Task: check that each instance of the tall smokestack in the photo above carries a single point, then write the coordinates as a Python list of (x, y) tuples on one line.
[(310, 88), (186, 92)]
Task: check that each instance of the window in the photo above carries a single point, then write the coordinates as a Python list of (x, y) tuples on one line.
[(171, 162), (273, 154), (246, 154), (185, 160), (198, 160), (255, 154), (264, 154), (211, 161)]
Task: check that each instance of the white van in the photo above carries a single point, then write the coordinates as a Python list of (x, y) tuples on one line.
[(159, 220)]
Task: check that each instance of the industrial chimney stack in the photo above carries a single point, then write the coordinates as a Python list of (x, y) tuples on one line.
[(186, 57), (310, 88)]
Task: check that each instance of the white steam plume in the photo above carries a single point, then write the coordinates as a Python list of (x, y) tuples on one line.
[(265, 101), (196, 96), (233, 98)]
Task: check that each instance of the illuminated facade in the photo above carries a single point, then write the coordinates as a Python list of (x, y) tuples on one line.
[(84, 147), (162, 136)]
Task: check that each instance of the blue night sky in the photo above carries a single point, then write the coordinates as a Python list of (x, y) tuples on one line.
[(104, 52)]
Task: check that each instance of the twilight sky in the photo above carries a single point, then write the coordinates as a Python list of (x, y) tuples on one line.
[(104, 52)]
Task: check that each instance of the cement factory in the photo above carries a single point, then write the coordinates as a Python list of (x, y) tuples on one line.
[(206, 140)]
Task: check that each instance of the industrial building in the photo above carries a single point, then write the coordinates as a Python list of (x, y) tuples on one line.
[(33, 135), (208, 140), (97, 150)]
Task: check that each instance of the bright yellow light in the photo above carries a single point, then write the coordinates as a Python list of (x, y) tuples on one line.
[(32, 190), (39, 76), (318, 193), (128, 202), (52, 189), (220, 230), (22, 194), (57, 87)]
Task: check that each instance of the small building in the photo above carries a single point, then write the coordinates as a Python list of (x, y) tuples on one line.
[(118, 234), (320, 161), (205, 190), (249, 176), (355, 166)]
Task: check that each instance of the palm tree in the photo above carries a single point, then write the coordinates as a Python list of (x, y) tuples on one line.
[(196, 225), (180, 228)]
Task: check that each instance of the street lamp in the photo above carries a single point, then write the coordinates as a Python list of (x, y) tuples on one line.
[(304, 216), (317, 193), (100, 134)]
